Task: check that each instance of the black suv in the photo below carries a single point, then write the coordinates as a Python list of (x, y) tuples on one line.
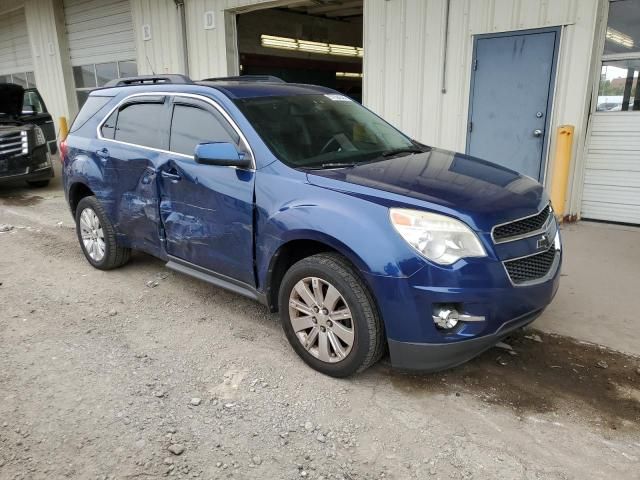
[(26, 131)]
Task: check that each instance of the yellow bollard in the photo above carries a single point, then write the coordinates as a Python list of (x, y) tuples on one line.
[(64, 128), (560, 175)]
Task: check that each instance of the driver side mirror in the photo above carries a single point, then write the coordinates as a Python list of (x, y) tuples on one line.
[(223, 154)]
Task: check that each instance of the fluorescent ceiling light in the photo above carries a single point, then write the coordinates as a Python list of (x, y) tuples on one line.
[(321, 48), (620, 38), (348, 75)]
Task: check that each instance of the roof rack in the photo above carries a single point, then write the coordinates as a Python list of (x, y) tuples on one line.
[(148, 80), (247, 78)]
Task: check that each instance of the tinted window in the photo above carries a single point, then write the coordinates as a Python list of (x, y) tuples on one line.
[(33, 100), (141, 124), (90, 108), (192, 125)]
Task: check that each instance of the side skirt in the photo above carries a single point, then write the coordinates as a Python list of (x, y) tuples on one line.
[(209, 276)]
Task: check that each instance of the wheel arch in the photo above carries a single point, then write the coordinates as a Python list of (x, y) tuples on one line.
[(78, 191), (295, 250)]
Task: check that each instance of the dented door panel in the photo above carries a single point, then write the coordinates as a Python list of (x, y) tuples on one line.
[(207, 216)]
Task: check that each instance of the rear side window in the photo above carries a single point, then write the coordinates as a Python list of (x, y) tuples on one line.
[(140, 124), (89, 109), (193, 125)]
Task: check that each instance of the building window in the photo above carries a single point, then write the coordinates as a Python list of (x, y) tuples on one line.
[(88, 77), (619, 88), (24, 79)]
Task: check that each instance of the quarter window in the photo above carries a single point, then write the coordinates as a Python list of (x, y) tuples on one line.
[(140, 124), (192, 125)]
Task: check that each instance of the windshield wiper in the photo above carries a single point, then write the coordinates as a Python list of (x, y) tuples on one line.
[(398, 151), (337, 165)]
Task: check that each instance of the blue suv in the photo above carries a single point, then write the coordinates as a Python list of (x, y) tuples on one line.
[(296, 196)]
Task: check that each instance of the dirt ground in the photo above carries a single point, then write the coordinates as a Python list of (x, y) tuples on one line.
[(104, 374)]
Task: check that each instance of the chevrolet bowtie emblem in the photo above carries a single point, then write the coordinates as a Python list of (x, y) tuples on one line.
[(543, 242)]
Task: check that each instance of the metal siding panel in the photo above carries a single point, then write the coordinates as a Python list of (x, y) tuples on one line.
[(15, 51), (99, 31), (442, 117), (612, 168)]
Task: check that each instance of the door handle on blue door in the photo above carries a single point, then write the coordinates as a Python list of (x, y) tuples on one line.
[(103, 154), (537, 132), (174, 177)]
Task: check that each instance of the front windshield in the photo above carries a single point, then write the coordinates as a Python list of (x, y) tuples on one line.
[(321, 130)]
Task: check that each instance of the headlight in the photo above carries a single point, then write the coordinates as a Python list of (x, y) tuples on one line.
[(40, 140), (439, 238)]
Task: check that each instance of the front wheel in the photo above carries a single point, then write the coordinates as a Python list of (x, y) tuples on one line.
[(329, 316), (97, 236)]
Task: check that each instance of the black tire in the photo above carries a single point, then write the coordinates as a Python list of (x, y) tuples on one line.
[(114, 255), (38, 183), (369, 338)]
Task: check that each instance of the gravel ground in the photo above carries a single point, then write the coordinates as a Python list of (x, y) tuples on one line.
[(144, 373)]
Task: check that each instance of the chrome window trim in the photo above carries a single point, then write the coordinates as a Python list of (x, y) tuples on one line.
[(540, 230), (203, 98), (557, 246)]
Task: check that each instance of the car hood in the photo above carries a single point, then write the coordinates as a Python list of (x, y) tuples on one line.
[(11, 97), (481, 193)]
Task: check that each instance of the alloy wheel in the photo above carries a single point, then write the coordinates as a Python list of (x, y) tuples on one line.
[(321, 319), (92, 234)]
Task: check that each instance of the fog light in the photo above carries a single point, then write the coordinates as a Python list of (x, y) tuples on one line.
[(446, 318)]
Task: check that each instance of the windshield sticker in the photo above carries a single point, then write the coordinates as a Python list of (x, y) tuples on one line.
[(337, 97)]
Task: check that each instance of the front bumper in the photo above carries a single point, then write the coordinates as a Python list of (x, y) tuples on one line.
[(432, 357), (34, 167), (479, 288)]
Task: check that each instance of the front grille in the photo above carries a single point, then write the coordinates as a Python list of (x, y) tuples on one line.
[(503, 233), (12, 144), (531, 268)]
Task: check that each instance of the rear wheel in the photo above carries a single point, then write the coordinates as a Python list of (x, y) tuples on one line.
[(329, 316), (97, 236)]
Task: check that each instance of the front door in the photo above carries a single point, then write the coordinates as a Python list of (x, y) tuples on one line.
[(511, 95), (206, 210)]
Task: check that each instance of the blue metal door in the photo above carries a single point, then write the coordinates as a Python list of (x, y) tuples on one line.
[(511, 92)]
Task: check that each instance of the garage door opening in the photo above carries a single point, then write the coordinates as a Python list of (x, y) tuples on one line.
[(317, 42)]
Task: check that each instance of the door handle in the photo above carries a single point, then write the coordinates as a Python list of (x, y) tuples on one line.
[(103, 154), (174, 177), (537, 132)]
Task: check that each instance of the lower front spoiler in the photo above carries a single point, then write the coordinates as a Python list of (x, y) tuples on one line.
[(29, 176), (432, 357)]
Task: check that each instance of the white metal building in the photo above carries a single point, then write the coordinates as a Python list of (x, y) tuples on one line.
[(440, 70)]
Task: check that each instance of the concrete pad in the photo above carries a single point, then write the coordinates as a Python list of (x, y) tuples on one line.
[(599, 296)]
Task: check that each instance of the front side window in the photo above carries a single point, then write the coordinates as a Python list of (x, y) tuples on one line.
[(192, 125), (619, 88), (33, 100), (317, 130), (141, 124)]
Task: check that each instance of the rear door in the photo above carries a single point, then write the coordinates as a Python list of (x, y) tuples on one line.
[(135, 140), (206, 210)]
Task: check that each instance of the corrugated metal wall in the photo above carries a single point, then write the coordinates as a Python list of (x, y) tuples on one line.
[(15, 52), (163, 53), (403, 61), (612, 170), (99, 31), (48, 50), (208, 47)]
